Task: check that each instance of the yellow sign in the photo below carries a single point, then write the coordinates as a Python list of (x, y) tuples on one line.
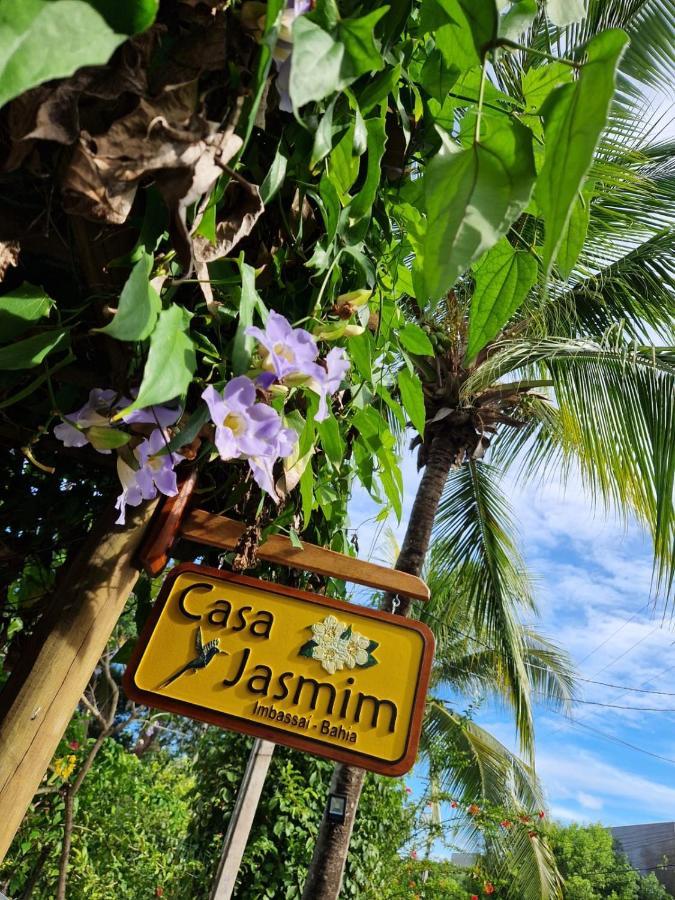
[(317, 674)]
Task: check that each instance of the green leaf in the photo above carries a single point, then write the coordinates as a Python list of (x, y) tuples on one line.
[(358, 37), (565, 12), (101, 437), (21, 308), (323, 137), (30, 352), (483, 21), (306, 649), (437, 77), (138, 307), (187, 434), (343, 165), (378, 89), (45, 39), (415, 340), (463, 28), (362, 204), (503, 278), (316, 63), (274, 178), (412, 397), (295, 539), (331, 440), (574, 235), (324, 62), (359, 349), (243, 344), (473, 196), (307, 494), (127, 16), (171, 360), (537, 84), (518, 19), (574, 119)]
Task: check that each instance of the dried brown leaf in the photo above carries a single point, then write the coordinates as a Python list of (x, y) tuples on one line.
[(9, 256), (244, 210)]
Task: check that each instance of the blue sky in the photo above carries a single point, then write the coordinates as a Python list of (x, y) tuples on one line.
[(593, 589)]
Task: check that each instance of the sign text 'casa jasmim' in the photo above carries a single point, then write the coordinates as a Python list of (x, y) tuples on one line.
[(316, 674)]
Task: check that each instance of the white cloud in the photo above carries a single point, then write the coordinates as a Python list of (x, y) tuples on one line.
[(568, 772), (588, 801)]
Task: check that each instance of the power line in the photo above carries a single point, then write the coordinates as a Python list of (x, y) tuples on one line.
[(613, 738), (629, 650), (665, 709), (531, 665), (613, 634)]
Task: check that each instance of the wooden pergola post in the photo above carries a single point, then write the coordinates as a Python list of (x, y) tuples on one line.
[(42, 693)]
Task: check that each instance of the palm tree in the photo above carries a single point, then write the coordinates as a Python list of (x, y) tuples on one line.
[(573, 383), (468, 665)]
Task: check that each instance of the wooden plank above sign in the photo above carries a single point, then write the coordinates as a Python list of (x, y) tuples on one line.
[(313, 673), (219, 531)]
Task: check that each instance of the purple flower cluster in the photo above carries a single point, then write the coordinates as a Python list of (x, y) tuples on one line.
[(289, 356), (245, 427), (153, 473)]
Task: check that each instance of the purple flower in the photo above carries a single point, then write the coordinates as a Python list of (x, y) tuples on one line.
[(96, 411), (262, 466), (326, 381), (243, 427), (161, 416), (155, 473), (249, 430), (101, 405), (289, 351)]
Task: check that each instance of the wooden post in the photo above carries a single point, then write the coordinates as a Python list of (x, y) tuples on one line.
[(41, 694), (239, 826)]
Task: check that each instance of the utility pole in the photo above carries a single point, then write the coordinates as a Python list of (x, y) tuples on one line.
[(240, 823)]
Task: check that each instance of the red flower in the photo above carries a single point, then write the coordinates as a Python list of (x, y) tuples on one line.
[(489, 888), (413, 854), (542, 814), (454, 804), (74, 745), (408, 790), (506, 823), (473, 809), (159, 892), (474, 897)]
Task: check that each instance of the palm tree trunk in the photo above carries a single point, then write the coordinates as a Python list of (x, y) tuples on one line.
[(324, 878)]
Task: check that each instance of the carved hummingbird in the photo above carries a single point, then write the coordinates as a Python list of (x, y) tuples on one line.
[(205, 653)]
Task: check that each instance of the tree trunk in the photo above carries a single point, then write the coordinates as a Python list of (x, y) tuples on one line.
[(38, 700), (324, 878)]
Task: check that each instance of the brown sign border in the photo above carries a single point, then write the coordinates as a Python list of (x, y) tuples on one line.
[(268, 732)]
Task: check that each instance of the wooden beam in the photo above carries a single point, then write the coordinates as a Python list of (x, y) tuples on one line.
[(40, 697), (219, 531)]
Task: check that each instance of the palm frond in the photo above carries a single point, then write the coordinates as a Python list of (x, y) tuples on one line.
[(636, 292), (616, 415), (528, 865), (469, 668), (474, 544), (471, 763)]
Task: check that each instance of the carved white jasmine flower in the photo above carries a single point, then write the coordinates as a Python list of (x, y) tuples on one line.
[(329, 629), (356, 650), (331, 653)]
